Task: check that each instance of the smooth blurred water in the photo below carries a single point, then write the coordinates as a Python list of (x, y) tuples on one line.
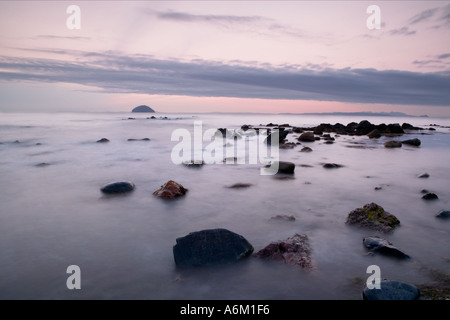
[(54, 216)]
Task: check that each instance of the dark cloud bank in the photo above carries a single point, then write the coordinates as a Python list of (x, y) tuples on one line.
[(113, 72)]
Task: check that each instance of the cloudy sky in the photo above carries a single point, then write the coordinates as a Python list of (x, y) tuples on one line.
[(226, 56)]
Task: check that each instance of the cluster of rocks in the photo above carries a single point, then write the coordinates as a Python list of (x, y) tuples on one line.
[(169, 190)]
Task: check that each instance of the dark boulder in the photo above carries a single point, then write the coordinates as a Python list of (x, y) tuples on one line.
[(384, 247), (374, 217), (210, 247), (412, 142), (307, 137), (430, 196), (392, 290), (394, 128), (445, 214), (294, 251), (374, 134), (171, 189), (118, 187), (393, 144), (364, 127)]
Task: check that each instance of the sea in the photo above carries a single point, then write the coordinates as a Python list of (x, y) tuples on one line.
[(53, 214)]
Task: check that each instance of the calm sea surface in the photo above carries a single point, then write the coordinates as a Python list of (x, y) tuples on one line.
[(54, 215)]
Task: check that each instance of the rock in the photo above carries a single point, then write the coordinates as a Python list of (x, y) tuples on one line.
[(374, 134), (170, 189), (443, 214), (143, 108), (43, 164), (306, 149), (407, 126), (378, 188), (393, 144), (283, 166), (118, 187), (329, 142), (210, 247), (331, 165), (240, 185), (374, 217), (144, 139), (394, 128), (245, 127), (103, 140), (424, 175), (289, 145), (377, 244), (294, 251), (392, 290), (412, 142), (307, 136), (364, 127), (430, 196), (283, 217)]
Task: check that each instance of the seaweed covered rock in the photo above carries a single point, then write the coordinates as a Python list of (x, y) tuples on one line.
[(210, 247), (374, 217), (295, 250), (170, 189)]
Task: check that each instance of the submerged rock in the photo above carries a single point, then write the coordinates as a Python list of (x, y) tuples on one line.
[(374, 217), (332, 166), (412, 142), (240, 185), (443, 214), (377, 244), (393, 144), (144, 139), (307, 136), (430, 196), (103, 140), (292, 251), (306, 149), (170, 189), (118, 187), (392, 290), (424, 175), (210, 247), (283, 217)]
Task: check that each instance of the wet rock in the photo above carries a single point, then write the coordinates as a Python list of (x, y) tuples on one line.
[(412, 142), (43, 164), (240, 185), (374, 217), (332, 166), (306, 149), (394, 128), (283, 217), (307, 137), (374, 134), (118, 187), (392, 290), (382, 246), (171, 189), (103, 140), (430, 196), (445, 214), (423, 175), (283, 166), (282, 134), (210, 247), (294, 251), (289, 145), (393, 144)]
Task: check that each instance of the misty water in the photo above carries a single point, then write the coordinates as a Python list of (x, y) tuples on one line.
[(52, 213)]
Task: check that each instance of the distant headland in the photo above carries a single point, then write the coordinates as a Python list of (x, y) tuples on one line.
[(363, 114), (143, 108)]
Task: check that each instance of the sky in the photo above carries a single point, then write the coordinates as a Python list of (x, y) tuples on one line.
[(225, 56)]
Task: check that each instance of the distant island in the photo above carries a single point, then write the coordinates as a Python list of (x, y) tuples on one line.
[(143, 108), (363, 114)]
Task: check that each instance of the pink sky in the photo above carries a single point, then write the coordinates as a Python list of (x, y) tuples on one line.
[(247, 41)]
